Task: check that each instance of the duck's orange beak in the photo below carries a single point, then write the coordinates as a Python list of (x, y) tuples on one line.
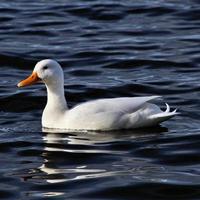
[(33, 78)]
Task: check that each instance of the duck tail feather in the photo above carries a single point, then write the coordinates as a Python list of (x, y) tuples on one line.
[(168, 108)]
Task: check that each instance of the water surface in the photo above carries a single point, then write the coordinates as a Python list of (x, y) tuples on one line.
[(107, 49)]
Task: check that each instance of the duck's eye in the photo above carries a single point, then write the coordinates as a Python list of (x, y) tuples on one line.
[(45, 67)]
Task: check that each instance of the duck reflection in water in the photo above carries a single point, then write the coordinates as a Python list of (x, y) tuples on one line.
[(81, 156)]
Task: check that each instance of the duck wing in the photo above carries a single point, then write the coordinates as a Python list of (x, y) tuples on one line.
[(123, 104)]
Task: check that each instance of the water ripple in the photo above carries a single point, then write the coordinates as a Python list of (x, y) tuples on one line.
[(107, 49)]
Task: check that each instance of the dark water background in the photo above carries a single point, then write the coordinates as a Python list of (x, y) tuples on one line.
[(107, 49)]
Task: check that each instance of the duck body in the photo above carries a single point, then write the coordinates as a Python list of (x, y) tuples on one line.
[(107, 114), (102, 114)]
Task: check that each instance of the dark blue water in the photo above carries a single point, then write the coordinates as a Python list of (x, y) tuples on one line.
[(107, 49)]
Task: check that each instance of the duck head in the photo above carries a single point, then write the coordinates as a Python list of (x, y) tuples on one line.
[(48, 71)]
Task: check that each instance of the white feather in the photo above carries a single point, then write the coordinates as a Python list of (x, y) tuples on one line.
[(168, 108)]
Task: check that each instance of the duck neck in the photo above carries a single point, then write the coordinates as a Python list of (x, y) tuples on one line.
[(56, 98)]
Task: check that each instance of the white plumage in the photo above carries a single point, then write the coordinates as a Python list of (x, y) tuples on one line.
[(103, 114)]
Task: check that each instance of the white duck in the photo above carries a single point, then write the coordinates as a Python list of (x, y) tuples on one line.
[(103, 114)]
